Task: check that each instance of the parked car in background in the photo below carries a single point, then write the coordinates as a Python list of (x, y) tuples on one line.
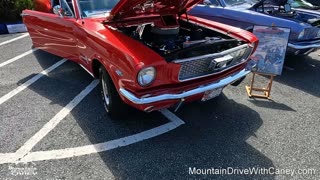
[(314, 2), (147, 54), (306, 4), (304, 24)]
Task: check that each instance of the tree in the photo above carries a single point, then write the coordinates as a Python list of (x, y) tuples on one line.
[(10, 10)]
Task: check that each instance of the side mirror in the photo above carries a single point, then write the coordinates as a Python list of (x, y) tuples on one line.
[(58, 10), (287, 8)]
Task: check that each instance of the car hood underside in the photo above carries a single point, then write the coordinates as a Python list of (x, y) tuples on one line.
[(137, 8)]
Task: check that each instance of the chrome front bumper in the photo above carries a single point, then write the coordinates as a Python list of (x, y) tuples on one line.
[(201, 89), (305, 45)]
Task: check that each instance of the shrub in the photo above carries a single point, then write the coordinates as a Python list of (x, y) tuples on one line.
[(10, 10)]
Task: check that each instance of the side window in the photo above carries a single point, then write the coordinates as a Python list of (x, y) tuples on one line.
[(66, 6), (211, 2)]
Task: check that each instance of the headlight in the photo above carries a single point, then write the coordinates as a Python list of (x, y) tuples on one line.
[(146, 76), (301, 35), (238, 53), (241, 54)]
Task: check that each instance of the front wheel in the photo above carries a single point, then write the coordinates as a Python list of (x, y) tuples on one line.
[(111, 99)]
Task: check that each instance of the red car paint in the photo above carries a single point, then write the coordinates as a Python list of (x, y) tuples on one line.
[(131, 8), (42, 5), (89, 42)]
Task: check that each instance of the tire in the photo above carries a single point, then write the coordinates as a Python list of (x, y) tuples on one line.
[(113, 104)]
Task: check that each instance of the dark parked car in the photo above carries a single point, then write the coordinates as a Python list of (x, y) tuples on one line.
[(307, 4), (304, 24), (314, 2)]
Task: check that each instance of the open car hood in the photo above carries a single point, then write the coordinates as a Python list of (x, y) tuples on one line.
[(140, 8)]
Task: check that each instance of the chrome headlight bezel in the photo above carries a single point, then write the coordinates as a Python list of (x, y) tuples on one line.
[(146, 76), (318, 34), (301, 35), (242, 54)]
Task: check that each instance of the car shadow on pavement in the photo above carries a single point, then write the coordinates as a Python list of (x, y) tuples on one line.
[(215, 135), (304, 76), (270, 104)]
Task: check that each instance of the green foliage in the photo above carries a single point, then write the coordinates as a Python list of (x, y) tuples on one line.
[(10, 10)]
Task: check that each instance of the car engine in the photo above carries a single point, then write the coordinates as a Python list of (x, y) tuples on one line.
[(182, 41)]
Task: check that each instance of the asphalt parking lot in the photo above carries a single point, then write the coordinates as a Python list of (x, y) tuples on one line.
[(53, 126)]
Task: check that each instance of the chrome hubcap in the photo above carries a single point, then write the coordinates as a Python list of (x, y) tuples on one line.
[(105, 91)]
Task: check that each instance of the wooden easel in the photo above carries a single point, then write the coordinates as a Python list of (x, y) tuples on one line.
[(266, 91)]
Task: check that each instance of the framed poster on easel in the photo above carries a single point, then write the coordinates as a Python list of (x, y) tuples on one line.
[(269, 56)]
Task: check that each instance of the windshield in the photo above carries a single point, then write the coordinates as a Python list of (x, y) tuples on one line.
[(301, 4), (90, 8), (293, 3)]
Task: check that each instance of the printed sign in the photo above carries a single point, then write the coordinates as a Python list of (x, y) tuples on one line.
[(271, 51), (15, 28)]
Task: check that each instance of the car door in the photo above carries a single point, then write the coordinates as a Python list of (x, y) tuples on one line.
[(53, 32)]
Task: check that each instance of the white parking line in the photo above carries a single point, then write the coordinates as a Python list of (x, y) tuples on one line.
[(17, 57), (172, 117), (8, 158), (101, 147), (14, 39), (26, 148), (23, 155), (30, 81)]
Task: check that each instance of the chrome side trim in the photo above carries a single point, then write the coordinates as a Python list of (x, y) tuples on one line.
[(201, 89), (297, 46), (24, 14)]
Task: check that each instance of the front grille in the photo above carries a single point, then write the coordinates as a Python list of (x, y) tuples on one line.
[(198, 67)]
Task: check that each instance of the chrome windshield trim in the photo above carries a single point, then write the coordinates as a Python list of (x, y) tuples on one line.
[(78, 9), (201, 89)]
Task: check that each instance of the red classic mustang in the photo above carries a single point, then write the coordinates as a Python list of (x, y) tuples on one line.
[(147, 53)]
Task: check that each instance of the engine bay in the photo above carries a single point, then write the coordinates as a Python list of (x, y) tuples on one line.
[(285, 11), (181, 40)]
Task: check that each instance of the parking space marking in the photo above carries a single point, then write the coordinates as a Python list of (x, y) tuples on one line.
[(26, 148), (8, 158), (17, 57), (109, 145), (30, 81), (14, 39), (172, 117), (24, 154)]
